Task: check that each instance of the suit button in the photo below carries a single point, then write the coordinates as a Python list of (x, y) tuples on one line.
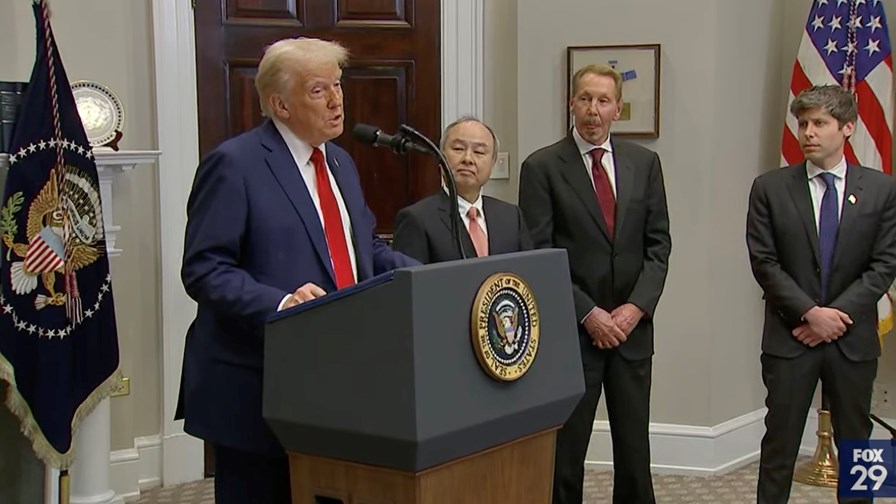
[(818, 270)]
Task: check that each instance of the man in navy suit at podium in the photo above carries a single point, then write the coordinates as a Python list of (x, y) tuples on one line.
[(276, 217)]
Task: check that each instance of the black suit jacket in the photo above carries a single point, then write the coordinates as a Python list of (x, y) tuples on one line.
[(782, 238), (559, 204), (423, 230)]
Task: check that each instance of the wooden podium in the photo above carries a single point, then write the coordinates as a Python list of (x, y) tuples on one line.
[(376, 392)]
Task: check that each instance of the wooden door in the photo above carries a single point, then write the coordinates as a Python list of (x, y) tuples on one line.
[(393, 77)]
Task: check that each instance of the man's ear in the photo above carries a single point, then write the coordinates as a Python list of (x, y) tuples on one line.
[(278, 106)]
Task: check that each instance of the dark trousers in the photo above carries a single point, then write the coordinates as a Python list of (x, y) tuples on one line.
[(249, 478), (791, 384), (627, 386)]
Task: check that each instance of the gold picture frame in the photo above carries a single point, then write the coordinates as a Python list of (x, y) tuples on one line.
[(639, 66)]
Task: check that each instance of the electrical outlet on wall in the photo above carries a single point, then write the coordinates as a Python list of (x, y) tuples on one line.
[(502, 168), (882, 401)]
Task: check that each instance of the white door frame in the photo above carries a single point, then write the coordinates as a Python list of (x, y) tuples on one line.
[(176, 108)]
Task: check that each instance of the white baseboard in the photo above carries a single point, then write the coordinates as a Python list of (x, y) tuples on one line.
[(705, 451), (690, 449), (136, 469)]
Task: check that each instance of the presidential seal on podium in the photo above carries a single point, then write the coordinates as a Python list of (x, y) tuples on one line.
[(505, 326)]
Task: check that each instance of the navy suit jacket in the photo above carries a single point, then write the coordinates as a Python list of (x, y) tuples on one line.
[(253, 236)]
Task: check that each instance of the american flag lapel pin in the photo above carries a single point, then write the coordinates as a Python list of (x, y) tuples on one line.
[(852, 199)]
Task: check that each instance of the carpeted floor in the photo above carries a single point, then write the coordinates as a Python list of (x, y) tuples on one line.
[(736, 487)]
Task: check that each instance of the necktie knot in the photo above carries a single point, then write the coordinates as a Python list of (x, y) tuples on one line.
[(596, 155), (829, 179), (473, 213), (317, 157)]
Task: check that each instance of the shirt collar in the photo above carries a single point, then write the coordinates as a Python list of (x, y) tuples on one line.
[(585, 146), (300, 149), (839, 170), (463, 206)]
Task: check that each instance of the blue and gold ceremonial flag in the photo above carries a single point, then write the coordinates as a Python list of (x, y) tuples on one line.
[(58, 339)]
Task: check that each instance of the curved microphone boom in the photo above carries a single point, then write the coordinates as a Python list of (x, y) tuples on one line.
[(402, 143), (449, 181), (399, 143)]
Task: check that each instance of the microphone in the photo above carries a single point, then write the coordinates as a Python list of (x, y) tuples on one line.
[(399, 143)]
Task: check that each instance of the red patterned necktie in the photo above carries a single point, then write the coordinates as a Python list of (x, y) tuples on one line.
[(342, 263), (604, 190)]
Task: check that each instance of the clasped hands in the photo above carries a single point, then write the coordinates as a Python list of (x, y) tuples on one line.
[(822, 325), (611, 329)]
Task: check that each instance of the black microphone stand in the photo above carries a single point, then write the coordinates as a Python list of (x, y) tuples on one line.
[(449, 181), (885, 425)]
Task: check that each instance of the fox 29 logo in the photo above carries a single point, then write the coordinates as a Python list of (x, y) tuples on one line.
[(867, 468)]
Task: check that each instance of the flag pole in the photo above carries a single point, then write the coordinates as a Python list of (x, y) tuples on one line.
[(64, 487)]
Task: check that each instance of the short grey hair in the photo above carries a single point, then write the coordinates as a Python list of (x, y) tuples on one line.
[(831, 98), (469, 118)]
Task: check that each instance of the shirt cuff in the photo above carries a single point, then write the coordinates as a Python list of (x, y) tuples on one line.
[(587, 315), (283, 302)]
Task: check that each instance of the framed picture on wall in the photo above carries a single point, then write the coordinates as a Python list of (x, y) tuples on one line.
[(639, 66)]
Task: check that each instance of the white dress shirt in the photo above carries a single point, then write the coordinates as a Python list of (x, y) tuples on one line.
[(817, 187), (301, 154), (607, 162), (463, 206)]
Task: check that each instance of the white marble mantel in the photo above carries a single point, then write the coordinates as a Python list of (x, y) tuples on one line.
[(109, 164)]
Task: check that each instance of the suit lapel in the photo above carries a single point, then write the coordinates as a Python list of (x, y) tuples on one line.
[(445, 215), (625, 176), (853, 189), (802, 199), (573, 171), (354, 207), (283, 166)]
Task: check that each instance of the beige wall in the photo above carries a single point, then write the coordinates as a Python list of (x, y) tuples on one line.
[(721, 122), (501, 89), (111, 42)]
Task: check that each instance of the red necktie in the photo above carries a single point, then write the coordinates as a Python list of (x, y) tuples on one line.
[(342, 263), (603, 189)]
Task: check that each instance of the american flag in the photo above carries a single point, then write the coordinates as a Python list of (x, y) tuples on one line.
[(846, 42)]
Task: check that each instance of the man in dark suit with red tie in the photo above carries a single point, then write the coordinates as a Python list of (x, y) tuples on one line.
[(276, 217), (603, 200), (822, 242), (423, 230)]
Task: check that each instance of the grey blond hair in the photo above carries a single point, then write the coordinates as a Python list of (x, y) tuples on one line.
[(287, 59), (595, 69), (469, 118), (831, 98)]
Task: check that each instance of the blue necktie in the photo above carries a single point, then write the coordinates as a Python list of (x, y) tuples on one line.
[(828, 223)]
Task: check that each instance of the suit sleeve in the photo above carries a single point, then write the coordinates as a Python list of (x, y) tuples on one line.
[(881, 269), (385, 258), (780, 289), (537, 205), (657, 244), (410, 238), (217, 212), (523, 232)]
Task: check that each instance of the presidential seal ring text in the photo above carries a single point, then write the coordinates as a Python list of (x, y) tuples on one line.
[(505, 326)]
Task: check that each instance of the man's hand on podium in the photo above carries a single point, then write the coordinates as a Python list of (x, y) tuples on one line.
[(304, 293)]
